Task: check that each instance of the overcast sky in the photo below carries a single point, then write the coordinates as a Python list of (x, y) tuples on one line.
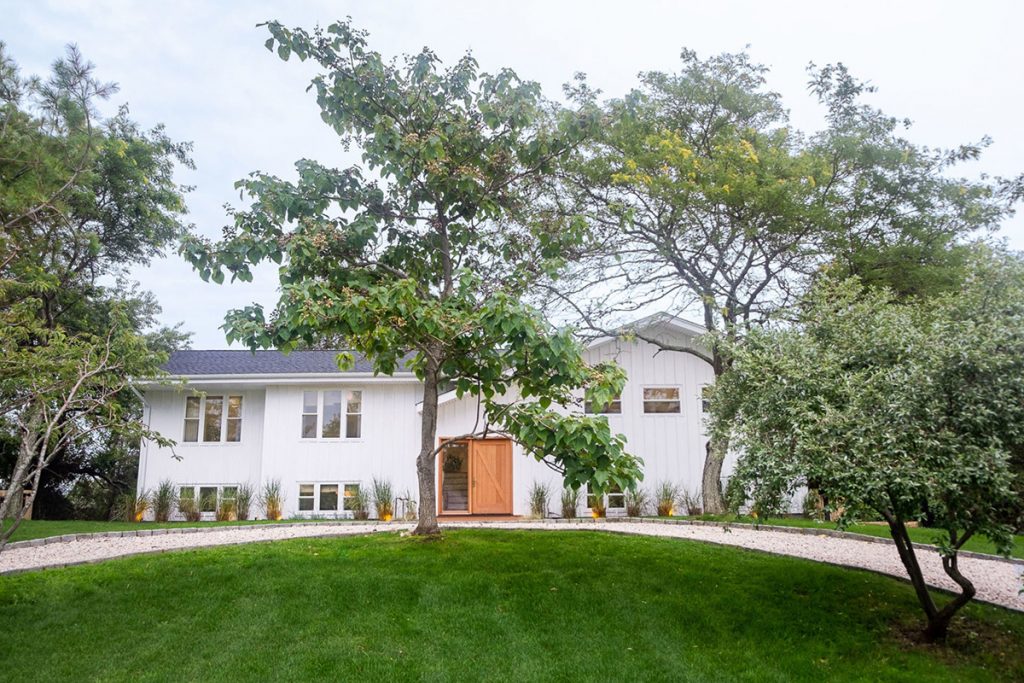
[(954, 68)]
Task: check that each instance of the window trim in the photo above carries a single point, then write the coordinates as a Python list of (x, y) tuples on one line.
[(588, 404), (340, 512), (678, 400), (343, 431), (226, 397)]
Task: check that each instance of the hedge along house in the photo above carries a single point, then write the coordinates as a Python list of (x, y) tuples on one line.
[(256, 417)]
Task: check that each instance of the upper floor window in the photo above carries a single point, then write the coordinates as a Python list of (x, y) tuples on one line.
[(613, 407), (206, 415), (325, 409), (661, 400)]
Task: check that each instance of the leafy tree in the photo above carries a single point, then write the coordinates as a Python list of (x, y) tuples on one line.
[(908, 411), (704, 198), (81, 198), (431, 257)]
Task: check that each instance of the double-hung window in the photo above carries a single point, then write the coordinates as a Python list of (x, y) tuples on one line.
[(332, 414), (206, 416), (661, 400)]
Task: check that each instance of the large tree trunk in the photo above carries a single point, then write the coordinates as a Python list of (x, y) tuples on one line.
[(711, 482), (427, 525), (714, 458)]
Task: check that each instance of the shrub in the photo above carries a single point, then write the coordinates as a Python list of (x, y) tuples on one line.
[(665, 495), (244, 496), (164, 499), (570, 502), (189, 509), (383, 499), (637, 502), (813, 506), (597, 506), (272, 499), (131, 507), (539, 495)]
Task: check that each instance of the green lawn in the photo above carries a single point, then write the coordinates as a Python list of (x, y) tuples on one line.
[(41, 528), (978, 544), (484, 605)]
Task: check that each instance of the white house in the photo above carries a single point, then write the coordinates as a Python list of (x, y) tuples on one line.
[(244, 417)]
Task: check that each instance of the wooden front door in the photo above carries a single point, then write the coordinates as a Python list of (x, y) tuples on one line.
[(474, 477), (492, 476)]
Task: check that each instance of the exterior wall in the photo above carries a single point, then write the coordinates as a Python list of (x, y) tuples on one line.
[(387, 448), (199, 463), (672, 446)]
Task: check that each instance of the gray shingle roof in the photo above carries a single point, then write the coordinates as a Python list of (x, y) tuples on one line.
[(188, 363)]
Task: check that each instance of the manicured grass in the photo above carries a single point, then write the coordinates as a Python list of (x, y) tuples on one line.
[(978, 544), (41, 528), (484, 605)]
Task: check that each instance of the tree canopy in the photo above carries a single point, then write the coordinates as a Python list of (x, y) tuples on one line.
[(428, 247), (907, 411), (81, 198), (704, 199)]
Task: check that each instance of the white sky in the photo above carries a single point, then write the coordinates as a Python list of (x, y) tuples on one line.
[(201, 68)]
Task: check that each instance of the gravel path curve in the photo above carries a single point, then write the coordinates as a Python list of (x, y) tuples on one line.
[(997, 582)]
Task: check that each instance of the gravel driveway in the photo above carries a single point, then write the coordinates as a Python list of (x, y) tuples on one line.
[(997, 582)]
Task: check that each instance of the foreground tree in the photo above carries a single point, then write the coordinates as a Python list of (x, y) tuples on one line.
[(703, 198), (81, 198), (431, 259), (911, 412)]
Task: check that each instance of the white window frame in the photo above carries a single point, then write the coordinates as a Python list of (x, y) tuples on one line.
[(201, 432), (197, 496), (677, 400), (587, 405), (343, 436), (340, 512), (607, 498)]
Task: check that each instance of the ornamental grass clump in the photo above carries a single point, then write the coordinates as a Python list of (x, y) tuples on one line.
[(244, 498), (691, 501), (637, 502), (539, 496), (189, 509), (665, 495), (272, 500), (164, 499), (383, 499), (359, 503), (132, 507), (227, 510), (570, 502)]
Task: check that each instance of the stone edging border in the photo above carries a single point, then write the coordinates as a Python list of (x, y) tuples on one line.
[(68, 538)]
